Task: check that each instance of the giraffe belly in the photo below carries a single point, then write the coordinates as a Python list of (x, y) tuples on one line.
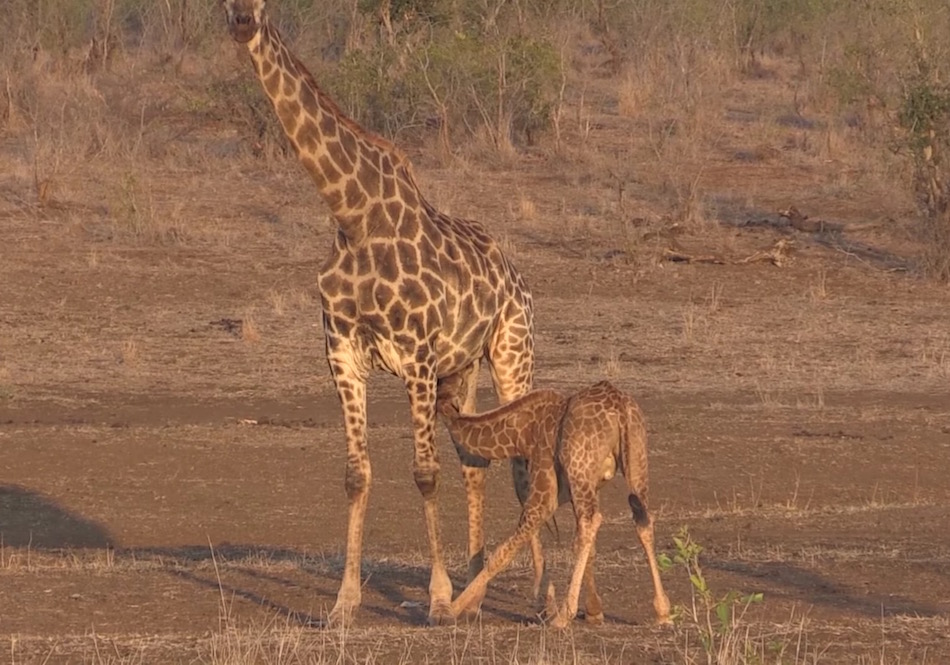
[(387, 356)]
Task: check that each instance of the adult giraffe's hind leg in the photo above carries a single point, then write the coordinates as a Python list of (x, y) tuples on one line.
[(421, 385), (351, 388)]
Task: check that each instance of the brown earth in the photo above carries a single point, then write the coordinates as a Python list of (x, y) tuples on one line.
[(798, 414)]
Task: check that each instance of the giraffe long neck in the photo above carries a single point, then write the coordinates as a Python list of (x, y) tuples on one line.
[(366, 181), (506, 431), (493, 438)]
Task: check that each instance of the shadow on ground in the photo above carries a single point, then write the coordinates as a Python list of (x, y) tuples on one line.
[(796, 582), (390, 589), (29, 519)]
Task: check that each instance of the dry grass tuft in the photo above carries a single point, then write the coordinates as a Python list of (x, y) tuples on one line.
[(129, 355), (250, 333), (527, 210)]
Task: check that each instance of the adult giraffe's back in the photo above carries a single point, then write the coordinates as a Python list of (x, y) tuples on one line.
[(405, 289)]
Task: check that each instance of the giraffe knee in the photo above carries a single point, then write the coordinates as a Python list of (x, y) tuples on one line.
[(356, 481), (427, 480)]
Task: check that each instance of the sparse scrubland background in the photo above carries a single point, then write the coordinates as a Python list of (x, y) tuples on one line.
[(737, 210)]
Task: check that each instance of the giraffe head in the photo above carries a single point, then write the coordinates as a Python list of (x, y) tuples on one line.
[(244, 18)]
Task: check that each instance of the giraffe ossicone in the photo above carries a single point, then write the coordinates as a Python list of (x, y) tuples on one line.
[(405, 288)]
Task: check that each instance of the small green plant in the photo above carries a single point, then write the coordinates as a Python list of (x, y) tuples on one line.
[(715, 618)]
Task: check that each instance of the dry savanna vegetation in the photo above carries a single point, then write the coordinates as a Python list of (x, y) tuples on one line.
[(736, 210)]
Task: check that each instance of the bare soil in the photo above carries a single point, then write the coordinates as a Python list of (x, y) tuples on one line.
[(171, 451)]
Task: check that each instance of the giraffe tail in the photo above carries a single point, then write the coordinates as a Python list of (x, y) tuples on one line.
[(633, 457), (551, 526)]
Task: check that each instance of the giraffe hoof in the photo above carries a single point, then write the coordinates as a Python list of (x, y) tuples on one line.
[(559, 622), (440, 614), (594, 619), (343, 611), (340, 616)]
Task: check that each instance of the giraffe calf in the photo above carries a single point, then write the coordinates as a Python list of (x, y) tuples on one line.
[(573, 445)]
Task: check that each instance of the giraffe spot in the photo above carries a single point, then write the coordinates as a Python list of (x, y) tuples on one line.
[(417, 325), (290, 87), (283, 59), (433, 318), (433, 285), (397, 317), (288, 110), (460, 358), (404, 341), (338, 155), (375, 321), (452, 251), (334, 198), (272, 84), (365, 296), (389, 187), (466, 310), (407, 193), (412, 293), (311, 166), (330, 285), (346, 308), (368, 176), (343, 327), (384, 258), (307, 136), (426, 248), (355, 198), (432, 230), (475, 337), (327, 124), (394, 211), (346, 263), (307, 97), (378, 222), (384, 295), (364, 264), (266, 67), (348, 139), (329, 170), (408, 258), (410, 225)]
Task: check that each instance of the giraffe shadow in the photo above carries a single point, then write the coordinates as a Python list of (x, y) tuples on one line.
[(31, 520), (278, 578)]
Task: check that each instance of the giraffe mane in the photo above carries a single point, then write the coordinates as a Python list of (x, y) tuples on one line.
[(529, 399)]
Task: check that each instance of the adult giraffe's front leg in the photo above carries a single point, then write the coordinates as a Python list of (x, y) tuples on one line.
[(351, 388), (474, 469), (420, 379)]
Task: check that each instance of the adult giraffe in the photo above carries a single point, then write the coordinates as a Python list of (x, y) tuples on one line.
[(406, 289)]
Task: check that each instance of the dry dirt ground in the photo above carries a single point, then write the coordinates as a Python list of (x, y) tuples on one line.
[(798, 413)]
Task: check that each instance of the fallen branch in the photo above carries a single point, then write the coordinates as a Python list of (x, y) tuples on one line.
[(777, 256)]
